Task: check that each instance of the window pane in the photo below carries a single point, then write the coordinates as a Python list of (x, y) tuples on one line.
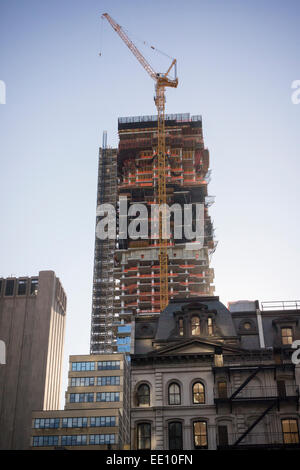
[(9, 287), (34, 286), (181, 330), (143, 395), (174, 394), (175, 436), (144, 436), (222, 390), (287, 335), (198, 393), (22, 286), (195, 326), (290, 431), (200, 434)]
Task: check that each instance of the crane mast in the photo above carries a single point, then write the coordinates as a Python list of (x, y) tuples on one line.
[(162, 81)]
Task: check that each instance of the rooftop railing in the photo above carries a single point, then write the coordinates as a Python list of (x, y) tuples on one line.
[(185, 117), (281, 305)]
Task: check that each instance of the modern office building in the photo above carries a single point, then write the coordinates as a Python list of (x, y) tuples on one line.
[(127, 272), (32, 326), (205, 377), (96, 414)]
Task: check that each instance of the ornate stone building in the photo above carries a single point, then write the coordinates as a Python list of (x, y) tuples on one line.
[(205, 377)]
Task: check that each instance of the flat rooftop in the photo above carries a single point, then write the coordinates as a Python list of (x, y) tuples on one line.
[(171, 119)]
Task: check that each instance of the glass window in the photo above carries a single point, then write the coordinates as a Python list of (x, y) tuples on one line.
[(290, 431), (103, 421), (198, 393), (144, 436), (210, 331), (143, 395), (99, 439), (108, 396), (286, 335), (181, 327), (73, 440), (114, 380), (34, 286), (222, 389), (219, 360), (222, 435), (74, 422), (82, 366), (200, 434), (195, 326), (22, 286), (81, 397), (108, 365), (174, 394), (124, 349), (46, 423), (45, 441), (9, 287), (82, 381), (175, 436)]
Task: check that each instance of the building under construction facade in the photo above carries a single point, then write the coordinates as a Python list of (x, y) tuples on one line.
[(127, 271)]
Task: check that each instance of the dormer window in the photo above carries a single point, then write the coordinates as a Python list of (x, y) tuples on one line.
[(195, 326), (286, 336), (180, 327), (210, 331)]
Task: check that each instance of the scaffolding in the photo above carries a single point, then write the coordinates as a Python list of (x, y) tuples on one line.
[(103, 279), (127, 272)]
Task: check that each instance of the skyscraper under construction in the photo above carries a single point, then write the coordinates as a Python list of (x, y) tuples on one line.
[(126, 271)]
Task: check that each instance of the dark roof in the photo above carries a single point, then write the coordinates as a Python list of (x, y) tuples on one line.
[(166, 322)]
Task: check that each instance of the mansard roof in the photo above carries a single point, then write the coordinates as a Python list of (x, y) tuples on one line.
[(223, 318)]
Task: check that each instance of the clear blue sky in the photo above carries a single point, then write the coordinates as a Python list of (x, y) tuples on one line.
[(236, 63)]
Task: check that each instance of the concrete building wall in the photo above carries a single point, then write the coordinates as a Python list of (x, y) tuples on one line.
[(32, 326), (85, 369)]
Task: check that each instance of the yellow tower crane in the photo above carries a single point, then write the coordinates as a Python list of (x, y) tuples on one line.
[(162, 81)]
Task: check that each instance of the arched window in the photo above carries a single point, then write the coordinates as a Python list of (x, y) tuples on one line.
[(144, 436), (180, 327), (198, 393), (175, 436), (195, 326), (143, 395), (210, 330), (174, 394)]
